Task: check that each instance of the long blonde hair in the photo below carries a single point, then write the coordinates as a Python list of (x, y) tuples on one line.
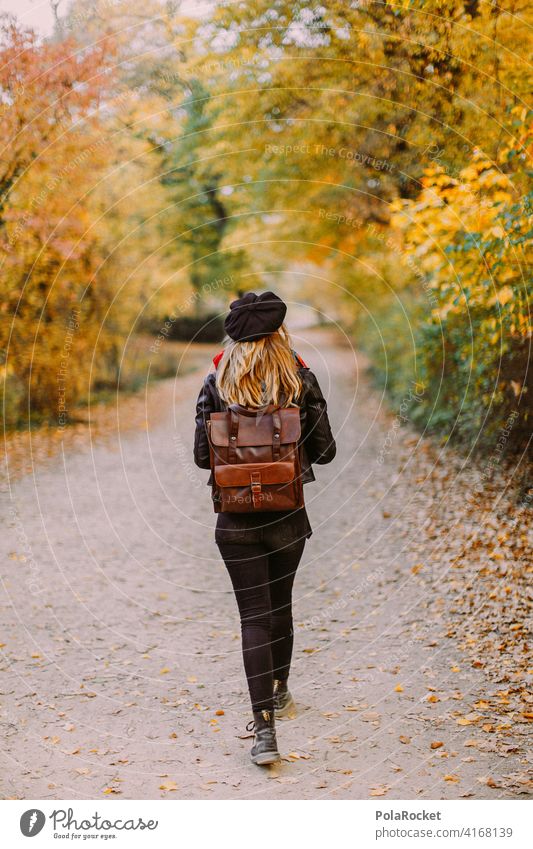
[(255, 374)]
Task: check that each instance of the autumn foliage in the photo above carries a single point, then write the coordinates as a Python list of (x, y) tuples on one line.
[(379, 151)]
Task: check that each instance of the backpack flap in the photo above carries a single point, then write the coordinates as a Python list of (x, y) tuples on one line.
[(256, 485), (244, 473), (256, 429)]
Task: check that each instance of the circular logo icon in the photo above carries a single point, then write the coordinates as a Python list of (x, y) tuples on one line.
[(32, 822)]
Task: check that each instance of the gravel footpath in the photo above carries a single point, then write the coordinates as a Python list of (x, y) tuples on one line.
[(121, 666)]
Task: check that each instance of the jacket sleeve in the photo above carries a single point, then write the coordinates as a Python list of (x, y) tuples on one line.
[(318, 438), (204, 407)]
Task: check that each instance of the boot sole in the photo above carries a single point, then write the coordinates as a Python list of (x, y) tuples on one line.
[(266, 758)]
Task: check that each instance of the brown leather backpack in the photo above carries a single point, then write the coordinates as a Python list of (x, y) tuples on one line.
[(255, 459)]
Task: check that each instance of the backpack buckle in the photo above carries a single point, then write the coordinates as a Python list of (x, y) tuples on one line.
[(255, 483)]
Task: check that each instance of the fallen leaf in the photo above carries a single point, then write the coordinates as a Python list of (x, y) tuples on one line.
[(488, 780), (168, 786), (379, 790), (437, 744), (451, 778), (404, 739), (398, 688), (469, 719)]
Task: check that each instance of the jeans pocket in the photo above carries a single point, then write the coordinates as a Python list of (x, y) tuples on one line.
[(237, 536)]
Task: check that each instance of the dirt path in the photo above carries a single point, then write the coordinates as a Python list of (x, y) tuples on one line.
[(120, 637)]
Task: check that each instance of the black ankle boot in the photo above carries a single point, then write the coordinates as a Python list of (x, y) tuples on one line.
[(283, 701), (265, 747)]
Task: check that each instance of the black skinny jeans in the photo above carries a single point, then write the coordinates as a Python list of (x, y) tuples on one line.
[(262, 579)]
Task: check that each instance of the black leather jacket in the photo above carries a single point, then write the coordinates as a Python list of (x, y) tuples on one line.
[(317, 443)]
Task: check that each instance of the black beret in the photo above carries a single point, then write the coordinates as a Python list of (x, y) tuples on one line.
[(254, 316)]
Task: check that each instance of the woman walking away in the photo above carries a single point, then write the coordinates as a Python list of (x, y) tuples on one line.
[(261, 422)]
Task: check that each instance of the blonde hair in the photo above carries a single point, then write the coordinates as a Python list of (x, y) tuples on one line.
[(254, 374)]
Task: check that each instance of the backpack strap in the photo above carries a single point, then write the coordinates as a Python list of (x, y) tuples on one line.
[(276, 435), (299, 360), (233, 435)]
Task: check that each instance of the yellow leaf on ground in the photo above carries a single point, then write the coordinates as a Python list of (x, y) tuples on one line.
[(488, 780), (380, 790)]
